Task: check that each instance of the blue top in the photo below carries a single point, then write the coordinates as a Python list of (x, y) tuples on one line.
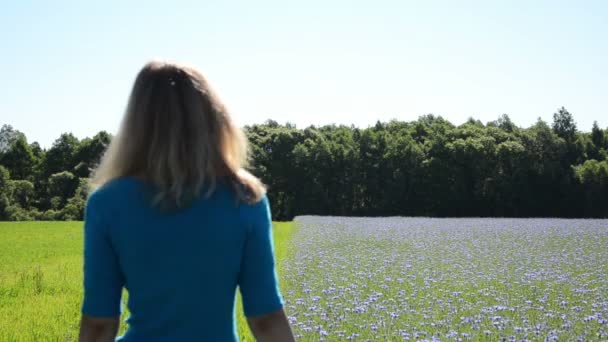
[(182, 268)]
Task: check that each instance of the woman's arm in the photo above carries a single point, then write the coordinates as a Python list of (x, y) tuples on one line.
[(258, 281), (98, 329), (103, 279), (271, 327)]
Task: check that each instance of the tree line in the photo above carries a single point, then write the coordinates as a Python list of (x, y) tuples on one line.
[(427, 167)]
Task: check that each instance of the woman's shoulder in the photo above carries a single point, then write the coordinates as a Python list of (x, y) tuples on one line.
[(228, 194), (253, 211), (114, 189)]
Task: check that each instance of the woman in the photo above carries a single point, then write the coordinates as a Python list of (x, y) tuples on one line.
[(178, 222)]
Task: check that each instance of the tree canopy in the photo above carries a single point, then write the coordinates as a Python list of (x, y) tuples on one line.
[(427, 167)]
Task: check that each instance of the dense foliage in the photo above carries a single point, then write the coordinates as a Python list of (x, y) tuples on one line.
[(428, 167), (39, 184)]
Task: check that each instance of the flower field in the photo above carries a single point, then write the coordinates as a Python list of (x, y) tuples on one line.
[(424, 279)]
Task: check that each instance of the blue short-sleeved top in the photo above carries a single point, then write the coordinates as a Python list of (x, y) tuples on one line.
[(181, 268)]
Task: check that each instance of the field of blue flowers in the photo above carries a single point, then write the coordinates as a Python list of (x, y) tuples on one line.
[(423, 279)]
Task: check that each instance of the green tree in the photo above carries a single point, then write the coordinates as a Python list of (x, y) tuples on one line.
[(37, 150), (61, 156), (89, 153), (74, 208), (22, 193), (504, 122), (370, 170), (598, 136), (563, 125), (272, 161), (7, 136), (19, 159), (62, 185), (50, 215), (14, 212), (403, 158), (5, 191), (543, 166), (593, 179)]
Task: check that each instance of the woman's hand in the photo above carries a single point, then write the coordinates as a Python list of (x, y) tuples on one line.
[(98, 329), (272, 327)]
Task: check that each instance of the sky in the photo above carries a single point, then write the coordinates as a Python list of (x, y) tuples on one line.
[(69, 66)]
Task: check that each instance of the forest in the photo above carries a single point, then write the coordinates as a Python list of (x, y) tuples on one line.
[(427, 167)]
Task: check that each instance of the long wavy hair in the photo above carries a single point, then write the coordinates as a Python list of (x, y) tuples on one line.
[(177, 135)]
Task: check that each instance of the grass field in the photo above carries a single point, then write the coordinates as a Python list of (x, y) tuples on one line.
[(41, 277)]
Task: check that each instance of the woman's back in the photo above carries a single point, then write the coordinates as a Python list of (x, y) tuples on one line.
[(181, 268), (182, 240)]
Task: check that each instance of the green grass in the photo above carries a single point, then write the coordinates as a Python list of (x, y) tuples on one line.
[(283, 232), (41, 279)]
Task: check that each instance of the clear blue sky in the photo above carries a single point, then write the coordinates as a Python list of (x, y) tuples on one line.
[(68, 67)]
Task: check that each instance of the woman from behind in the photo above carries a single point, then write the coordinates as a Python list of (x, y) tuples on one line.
[(178, 222)]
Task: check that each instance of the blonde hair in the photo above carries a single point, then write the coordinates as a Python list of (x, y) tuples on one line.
[(177, 135)]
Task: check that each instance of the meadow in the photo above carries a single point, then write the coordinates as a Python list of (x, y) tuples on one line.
[(41, 277), (427, 279), (366, 279)]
